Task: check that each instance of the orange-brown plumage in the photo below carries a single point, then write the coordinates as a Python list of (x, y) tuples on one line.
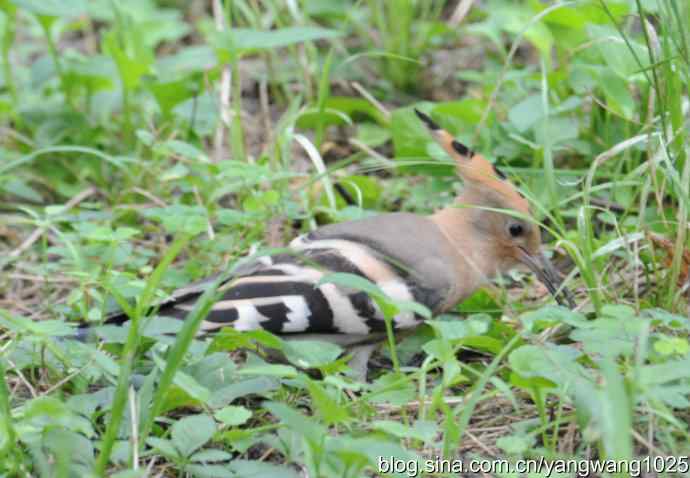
[(490, 220)]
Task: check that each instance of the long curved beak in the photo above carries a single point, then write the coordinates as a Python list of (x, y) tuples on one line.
[(547, 274)]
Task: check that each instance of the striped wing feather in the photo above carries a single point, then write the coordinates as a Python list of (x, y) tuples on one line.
[(279, 293)]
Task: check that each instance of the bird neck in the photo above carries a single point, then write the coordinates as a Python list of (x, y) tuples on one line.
[(454, 222), (475, 262)]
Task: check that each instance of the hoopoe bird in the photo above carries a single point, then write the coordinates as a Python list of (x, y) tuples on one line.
[(436, 260)]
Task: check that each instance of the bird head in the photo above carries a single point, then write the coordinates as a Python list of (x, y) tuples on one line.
[(499, 214)]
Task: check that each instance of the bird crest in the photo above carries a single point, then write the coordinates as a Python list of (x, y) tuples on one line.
[(473, 168)]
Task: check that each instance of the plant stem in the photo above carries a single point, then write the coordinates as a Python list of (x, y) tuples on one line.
[(46, 22), (7, 42), (130, 353)]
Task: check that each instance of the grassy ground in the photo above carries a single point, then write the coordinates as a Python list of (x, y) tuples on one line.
[(147, 144)]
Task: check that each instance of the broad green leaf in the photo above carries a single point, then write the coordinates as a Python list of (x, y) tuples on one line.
[(608, 406), (197, 58), (527, 113), (269, 370), (192, 432), (210, 456), (327, 407), (410, 136), (132, 57), (53, 8), (209, 471), (555, 363), (460, 116), (608, 336), (472, 326), (548, 316), (515, 444), (314, 432), (615, 51), (311, 353), (169, 94), (423, 430), (672, 346), (260, 469), (180, 218), (517, 18), (241, 40), (618, 97), (163, 446), (187, 383), (36, 330), (141, 473), (392, 388), (48, 412), (252, 386), (232, 415)]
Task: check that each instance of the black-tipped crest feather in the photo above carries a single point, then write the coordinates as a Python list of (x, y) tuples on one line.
[(462, 149), (427, 120)]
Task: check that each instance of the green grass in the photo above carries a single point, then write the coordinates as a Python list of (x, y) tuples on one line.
[(121, 179)]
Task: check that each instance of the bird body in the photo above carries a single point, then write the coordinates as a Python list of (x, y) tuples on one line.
[(408, 256), (435, 260)]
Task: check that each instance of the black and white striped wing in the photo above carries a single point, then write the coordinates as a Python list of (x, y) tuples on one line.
[(280, 293)]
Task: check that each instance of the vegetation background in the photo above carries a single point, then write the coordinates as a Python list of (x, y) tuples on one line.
[(145, 144)]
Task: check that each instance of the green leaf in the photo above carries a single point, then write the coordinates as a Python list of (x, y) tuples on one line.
[(269, 370), (163, 446), (608, 336), (192, 432), (251, 386), (206, 456), (188, 60), (474, 325), (187, 383), (233, 416), (243, 40), (527, 113), (609, 408), (141, 473), (180, 218), (260, 469), (537, 320), (514, 17), (422, 430), (36, 330), (169, 94), (618, 97), (331, 411), (515, 444), (53, 8), (392, 388), (672, 346), (133, 59), (410, 136), (460, 116), (616, 52), (309, 428), (48, 412), (555, 363), (311, 353)]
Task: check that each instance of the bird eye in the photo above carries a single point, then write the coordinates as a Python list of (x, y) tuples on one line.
[(516, 230)]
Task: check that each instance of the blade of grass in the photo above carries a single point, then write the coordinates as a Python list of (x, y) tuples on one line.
[(130, 352), (8, 37), (174, 358), (474, 397), (324, 93), (8, 436)]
